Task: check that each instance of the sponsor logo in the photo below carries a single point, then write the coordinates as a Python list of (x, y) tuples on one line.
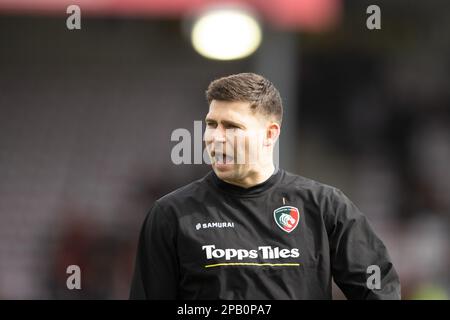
[(209, 225), (265, 252), (286, 218)]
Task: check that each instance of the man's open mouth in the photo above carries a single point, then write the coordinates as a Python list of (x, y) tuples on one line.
[(222, 158)]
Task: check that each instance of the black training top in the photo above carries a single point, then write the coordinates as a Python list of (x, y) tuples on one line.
[(285, 238)]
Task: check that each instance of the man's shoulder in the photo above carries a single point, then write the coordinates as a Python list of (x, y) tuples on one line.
[(308, 185), (325, 196), (194, 189)]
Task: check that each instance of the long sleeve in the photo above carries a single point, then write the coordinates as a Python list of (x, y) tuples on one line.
[(156, 267), (354, 247)]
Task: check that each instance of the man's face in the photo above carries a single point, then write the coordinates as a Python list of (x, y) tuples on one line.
[(234, 138)]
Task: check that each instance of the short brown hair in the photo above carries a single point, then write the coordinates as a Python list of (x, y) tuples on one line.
[(248, 87)]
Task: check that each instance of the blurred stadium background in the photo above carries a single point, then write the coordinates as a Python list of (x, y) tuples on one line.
[(86, 118)]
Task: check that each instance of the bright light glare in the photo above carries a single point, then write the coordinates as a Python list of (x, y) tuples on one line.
[(226, 34)]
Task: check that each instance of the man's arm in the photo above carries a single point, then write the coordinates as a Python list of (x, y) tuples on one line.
[(156, 268), (354, 247)]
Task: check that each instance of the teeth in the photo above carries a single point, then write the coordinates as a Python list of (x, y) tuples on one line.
[(222, 159)]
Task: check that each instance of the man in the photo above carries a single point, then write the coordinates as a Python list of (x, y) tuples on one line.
[(249, 231)]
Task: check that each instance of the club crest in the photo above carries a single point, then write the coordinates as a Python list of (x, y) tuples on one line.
[(286, 218)]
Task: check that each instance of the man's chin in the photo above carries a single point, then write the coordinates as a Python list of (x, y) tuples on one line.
[(224, 170)]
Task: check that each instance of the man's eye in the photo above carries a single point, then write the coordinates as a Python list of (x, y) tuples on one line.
[(210, 125)]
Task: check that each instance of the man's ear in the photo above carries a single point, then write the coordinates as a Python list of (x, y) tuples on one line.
[(272, 134)]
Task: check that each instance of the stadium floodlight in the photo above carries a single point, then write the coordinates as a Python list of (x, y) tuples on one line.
[(226, 33)]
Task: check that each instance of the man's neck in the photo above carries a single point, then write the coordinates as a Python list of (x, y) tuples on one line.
[(255, 178)]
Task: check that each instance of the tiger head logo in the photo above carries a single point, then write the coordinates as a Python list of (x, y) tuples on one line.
[(286, 218)]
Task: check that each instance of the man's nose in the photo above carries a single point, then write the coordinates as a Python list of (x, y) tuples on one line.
[(219, 135)]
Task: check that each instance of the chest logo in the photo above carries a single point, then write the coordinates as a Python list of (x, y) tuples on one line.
[(286, 218)]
